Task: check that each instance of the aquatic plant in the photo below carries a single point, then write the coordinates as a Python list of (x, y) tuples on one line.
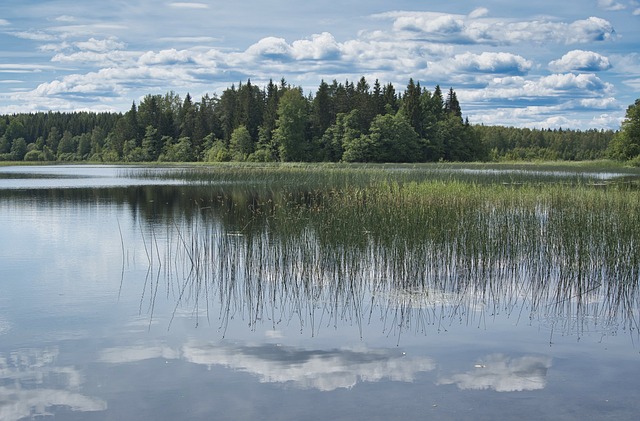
[(417, 254)]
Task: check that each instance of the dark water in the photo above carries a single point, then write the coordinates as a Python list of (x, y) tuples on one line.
[(132, 298)]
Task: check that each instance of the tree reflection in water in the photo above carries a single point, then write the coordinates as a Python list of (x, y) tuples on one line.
[(322, 259)]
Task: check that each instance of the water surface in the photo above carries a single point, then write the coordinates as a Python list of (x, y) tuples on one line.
[(125, 296)]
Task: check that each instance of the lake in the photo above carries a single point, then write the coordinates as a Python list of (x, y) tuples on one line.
[(303, 293)]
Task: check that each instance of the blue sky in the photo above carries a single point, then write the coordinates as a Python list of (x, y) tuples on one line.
[(570, 64)]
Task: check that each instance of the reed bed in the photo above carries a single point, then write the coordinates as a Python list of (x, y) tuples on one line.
[(418, 255)]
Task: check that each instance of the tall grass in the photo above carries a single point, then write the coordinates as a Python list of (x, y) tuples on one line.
[(416, 254)]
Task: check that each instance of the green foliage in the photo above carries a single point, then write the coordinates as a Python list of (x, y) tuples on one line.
[(34, 155), (509, 143), (391, 139), (18, 149), (180, 151), (341, 122), (626, 143), (241, 144), (217, 152), (290, 134)]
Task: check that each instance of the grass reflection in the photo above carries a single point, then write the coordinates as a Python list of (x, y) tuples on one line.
[(414, 256)]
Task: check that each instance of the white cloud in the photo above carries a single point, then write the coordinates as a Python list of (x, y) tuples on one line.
[(100, 45), (166, 57), (24, 68), (567, 85), (34, 35), (65, 18), (270, 48), (479, 12), (185, 5), (504, 374), (579, 60), (4, 22), (488, 62), (634, 83), (606, 120), (102, 59), (611, 5), (570, 82), (319, 47), (599, 103), (474, 29)]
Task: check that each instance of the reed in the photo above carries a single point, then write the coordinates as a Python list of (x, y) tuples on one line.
[(417, 252)]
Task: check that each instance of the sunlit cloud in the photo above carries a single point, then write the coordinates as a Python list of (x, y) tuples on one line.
[(505, 63), (473, 29), (579, 60)]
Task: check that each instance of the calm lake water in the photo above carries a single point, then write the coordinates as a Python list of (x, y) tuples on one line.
[(127, 296)]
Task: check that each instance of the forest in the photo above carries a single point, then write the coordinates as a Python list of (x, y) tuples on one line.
[(341, 122)]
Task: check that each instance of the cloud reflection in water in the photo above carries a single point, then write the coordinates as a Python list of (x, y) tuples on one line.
[(31, 383), (324, 370), (504, 374)]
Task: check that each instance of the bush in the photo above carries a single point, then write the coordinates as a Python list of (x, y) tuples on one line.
[(34, 155)]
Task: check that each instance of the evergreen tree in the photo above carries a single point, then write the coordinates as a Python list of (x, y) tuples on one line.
[(377, 99), (411, 106), (390, 99), (452, 105), (322, 114)]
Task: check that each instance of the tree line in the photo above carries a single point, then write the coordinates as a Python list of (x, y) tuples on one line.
[(341, 122)]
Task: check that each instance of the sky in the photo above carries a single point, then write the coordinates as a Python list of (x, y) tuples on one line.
[(540, 64)]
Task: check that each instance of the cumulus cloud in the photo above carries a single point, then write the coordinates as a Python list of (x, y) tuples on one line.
[(4, 22), (320, 47), (166, 57), (504, 374), (476, 29), (572, 82), (487, 62), (581, 61), (270, 48), (567, 86)]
